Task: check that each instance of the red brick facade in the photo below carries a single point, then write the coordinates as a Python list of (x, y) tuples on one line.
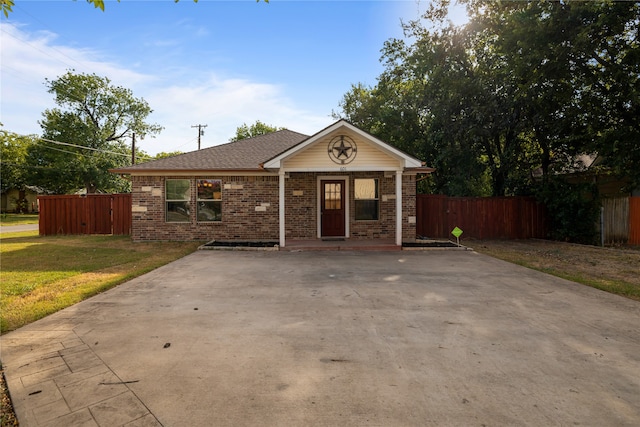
[(250, 209)]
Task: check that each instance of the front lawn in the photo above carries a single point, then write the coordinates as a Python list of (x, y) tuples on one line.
[(41, 275), (615, 270), (18, 219)]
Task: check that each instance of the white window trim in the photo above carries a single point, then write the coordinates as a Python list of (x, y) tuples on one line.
[(167, 201)]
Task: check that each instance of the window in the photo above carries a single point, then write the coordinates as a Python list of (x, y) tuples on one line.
[(177, 198), (209, 199), (332, 196), (366, 198)]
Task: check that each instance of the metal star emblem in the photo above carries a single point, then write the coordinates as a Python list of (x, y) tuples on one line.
[(342, 150)]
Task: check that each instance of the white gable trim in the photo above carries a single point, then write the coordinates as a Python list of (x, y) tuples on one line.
[(406, 160)]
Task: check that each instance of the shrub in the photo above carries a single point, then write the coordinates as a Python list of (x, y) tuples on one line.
[(573, 210)]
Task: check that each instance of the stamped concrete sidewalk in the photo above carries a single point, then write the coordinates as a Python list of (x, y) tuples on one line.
[(332, 338)]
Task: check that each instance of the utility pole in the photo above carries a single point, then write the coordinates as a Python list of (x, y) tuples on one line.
[(133, 149), (200, 132)]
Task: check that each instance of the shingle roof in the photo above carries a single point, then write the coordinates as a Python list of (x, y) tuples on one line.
[(246, 154)]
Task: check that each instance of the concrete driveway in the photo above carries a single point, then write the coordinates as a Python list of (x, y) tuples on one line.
[(440, 338)]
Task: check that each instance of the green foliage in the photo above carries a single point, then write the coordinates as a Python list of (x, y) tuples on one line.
[(41, 275), (95, 121), (164, 155), (13, 154), (573, 210), (523, 86), (256, 129), (6, 7)]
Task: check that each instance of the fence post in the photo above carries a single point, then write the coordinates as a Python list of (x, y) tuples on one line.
[(602, 226)]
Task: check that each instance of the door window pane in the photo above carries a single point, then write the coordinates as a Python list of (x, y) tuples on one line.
[(333, 196)]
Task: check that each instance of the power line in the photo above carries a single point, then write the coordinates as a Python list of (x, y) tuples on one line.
[(99, 150), (72, 93), (48, 45), (84, 147)]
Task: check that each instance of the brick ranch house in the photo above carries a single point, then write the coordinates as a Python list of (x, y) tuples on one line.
[(340, 183)]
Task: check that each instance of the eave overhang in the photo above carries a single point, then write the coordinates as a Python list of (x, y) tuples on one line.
[(191, 172)]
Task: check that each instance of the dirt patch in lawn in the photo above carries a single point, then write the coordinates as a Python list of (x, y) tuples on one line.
[(615, 270)]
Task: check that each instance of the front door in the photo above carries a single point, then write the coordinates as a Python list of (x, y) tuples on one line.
[(332, 211)]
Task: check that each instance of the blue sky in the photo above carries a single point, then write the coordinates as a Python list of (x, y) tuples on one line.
[(219, 63)]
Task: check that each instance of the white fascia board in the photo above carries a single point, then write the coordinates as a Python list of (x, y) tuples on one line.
[(409, 162), (343, 169), (202, 172), (276, 162)]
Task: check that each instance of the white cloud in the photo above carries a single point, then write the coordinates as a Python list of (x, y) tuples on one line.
[(221, 102), (223, 105), (28, 60)]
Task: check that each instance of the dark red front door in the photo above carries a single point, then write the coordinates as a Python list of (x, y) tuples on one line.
[(333, 209)]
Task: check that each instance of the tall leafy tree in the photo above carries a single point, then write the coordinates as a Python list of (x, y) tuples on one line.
[(165, 154), (609, 67), (258, 128), (95, 121), (13, 154), (523, 85), (14, 167)]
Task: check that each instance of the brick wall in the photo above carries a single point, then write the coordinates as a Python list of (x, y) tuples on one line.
[(301, 203), (408, 208), (301, 213), (250, 209), (385, 226)]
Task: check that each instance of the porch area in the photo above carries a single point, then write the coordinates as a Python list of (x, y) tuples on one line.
[(341, 245)]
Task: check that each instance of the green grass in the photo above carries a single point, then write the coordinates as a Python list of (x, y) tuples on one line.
[(609, 270), (41, 275), (18, 219), (617, 287)]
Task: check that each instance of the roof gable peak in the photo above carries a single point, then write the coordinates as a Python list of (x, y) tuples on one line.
[(407, 161)]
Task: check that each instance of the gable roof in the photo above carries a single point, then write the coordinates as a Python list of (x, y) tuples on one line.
[(246, 155), (260, 154), (407, 160)]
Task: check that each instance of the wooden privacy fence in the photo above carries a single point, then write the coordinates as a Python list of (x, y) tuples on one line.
[(480, 217), (621, 220), (90, 214), (634, 221)]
